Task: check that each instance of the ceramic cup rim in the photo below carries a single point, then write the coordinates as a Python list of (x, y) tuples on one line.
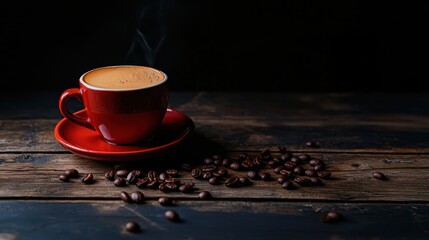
[(87, 85)]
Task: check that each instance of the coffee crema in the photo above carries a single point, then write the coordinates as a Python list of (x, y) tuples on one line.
[(124, 77)]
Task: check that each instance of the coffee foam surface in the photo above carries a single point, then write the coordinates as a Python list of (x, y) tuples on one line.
[(124, 77)]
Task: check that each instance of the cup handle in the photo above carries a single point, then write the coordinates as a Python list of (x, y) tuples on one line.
[(67, 94)]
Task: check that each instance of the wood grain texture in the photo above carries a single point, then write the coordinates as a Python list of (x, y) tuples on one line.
[(210, 220), (36, 176)]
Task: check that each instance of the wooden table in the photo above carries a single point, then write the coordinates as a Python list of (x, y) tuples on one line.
[(358, 134)]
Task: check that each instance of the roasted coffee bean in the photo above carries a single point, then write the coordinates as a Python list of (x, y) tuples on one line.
[(207, 175), (265, 176), (132, 176), (165, 201), (171, 186), (324, 174), (186, 167), (303, 181), (137, 197), (245, 181), (172, 172), (204, 195), (235, 166), (217, 162), (285, 173), (197, 173), (186, 188), (304, 157), (89, 178), (311, 144), (379, 175), (299, 170), (214, 181), (233, 182), (208, 161), (265, 153), (72, 173), (315, 161), (172, 180), (162, 187), (163, 176), (216, 157), (247, 164), (153, 184), (282, 150), (142, 183), (281, 180), (252, 174), (331, 217), (310, 173), (290, 165), (152, 175), (132, 227), (316, 181), (125, 197), (273, 163), (287, 156), (226, 162), (109, 175), (171, 215), (123, 173), (209, 168), (119, 182), (288, 185), (243, 156), (64, 177), (319, 167), (295, 160), (221, 173), (278, 169), (189, 183)]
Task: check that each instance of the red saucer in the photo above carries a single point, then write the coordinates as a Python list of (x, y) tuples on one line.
[(84, 142)]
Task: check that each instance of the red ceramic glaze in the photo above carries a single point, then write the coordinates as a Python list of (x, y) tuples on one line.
[(87, 143), (120, 116)]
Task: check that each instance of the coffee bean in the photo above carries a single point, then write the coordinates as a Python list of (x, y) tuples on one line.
[(290, 165), (153, 184), (64, 177), (72, 173), (208, 168), (208, 161), (265, 176), (281, 180), (109, 175), (235, 166), (245, 181), (142, 183), (287, 156), (303, 181), (216, 157), (214, 181), (243, 156), (165, 201), (285, 173), (311, 144), (299, 170), (132, 176), (331, 217), (125, 197), (310, 173), (171, 187), (247, 164), (221, 173), (137, 197), (186, 188), (257, 162), (295, 160), (315, 161), (319, 167), (324, 174), (171, 215), (152, 175), (172, 180), (288, 185), (304, 157), (217, 162), (162, 187), (379, 175), (273, 163), (123, 173), (252, 174), (204, 195), (163, 176), (207, 175), (88, 178), (233, 182), (197, 173), (119, 182), (265, 152), (226, 162), (172, 172), (278, 169), (132, 227)]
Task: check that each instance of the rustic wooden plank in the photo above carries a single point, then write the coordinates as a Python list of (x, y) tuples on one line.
[(36, 176), (400, 135), (203, 220), (43, 104)]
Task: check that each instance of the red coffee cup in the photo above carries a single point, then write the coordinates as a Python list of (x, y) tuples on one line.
[(126, 114)]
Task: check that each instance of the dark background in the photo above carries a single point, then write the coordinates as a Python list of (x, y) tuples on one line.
[(220, 45)]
